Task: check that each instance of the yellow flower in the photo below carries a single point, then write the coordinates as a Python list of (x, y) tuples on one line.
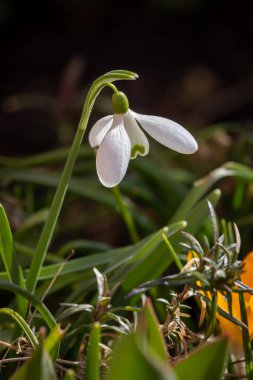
[(228, 328)]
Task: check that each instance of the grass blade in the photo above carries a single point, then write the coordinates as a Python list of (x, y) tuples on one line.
[(207, 362), (9, 258), (22, 323)]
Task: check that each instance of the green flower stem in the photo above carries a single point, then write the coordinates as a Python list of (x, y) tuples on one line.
[(22, 323), (49, 226), (173, 253), (114, 88), (246, 339), (212, 317), (126, 215)]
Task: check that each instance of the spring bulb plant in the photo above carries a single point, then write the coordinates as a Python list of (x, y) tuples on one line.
[(119, 138)]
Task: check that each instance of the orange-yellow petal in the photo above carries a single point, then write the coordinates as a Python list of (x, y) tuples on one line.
[(247, 275), (230, 329)]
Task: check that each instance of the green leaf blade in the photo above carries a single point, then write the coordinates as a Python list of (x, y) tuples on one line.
[(154, 335), (130, 362), (39, 367), (93, 356), (207, 362), (9, 258)]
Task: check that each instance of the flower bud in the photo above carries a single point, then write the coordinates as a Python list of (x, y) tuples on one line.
[(120, 102)]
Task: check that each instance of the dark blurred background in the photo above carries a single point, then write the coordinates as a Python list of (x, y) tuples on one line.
[(194, 58)]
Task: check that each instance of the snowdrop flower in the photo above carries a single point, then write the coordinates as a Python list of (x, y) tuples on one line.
[(119, 138)]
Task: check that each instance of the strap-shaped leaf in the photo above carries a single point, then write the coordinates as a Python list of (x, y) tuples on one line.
[(202, 186), (154, 335), (207, 362), (22, 323), (42, 309), (9, 257), (131, 361)]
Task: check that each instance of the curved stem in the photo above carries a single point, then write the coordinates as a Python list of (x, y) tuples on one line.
[(22, 323), (49, 226), (114, 88)]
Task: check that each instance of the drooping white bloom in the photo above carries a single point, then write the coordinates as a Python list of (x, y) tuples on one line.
[(119, 138)]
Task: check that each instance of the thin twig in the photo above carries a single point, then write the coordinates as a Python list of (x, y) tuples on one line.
[(4, 344), (68, 362), (24, 358), (56, 275), (11, 360)]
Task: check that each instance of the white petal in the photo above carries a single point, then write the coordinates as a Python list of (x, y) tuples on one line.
[(168, 133), (139, 142), (99, 130), (113, 154)]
